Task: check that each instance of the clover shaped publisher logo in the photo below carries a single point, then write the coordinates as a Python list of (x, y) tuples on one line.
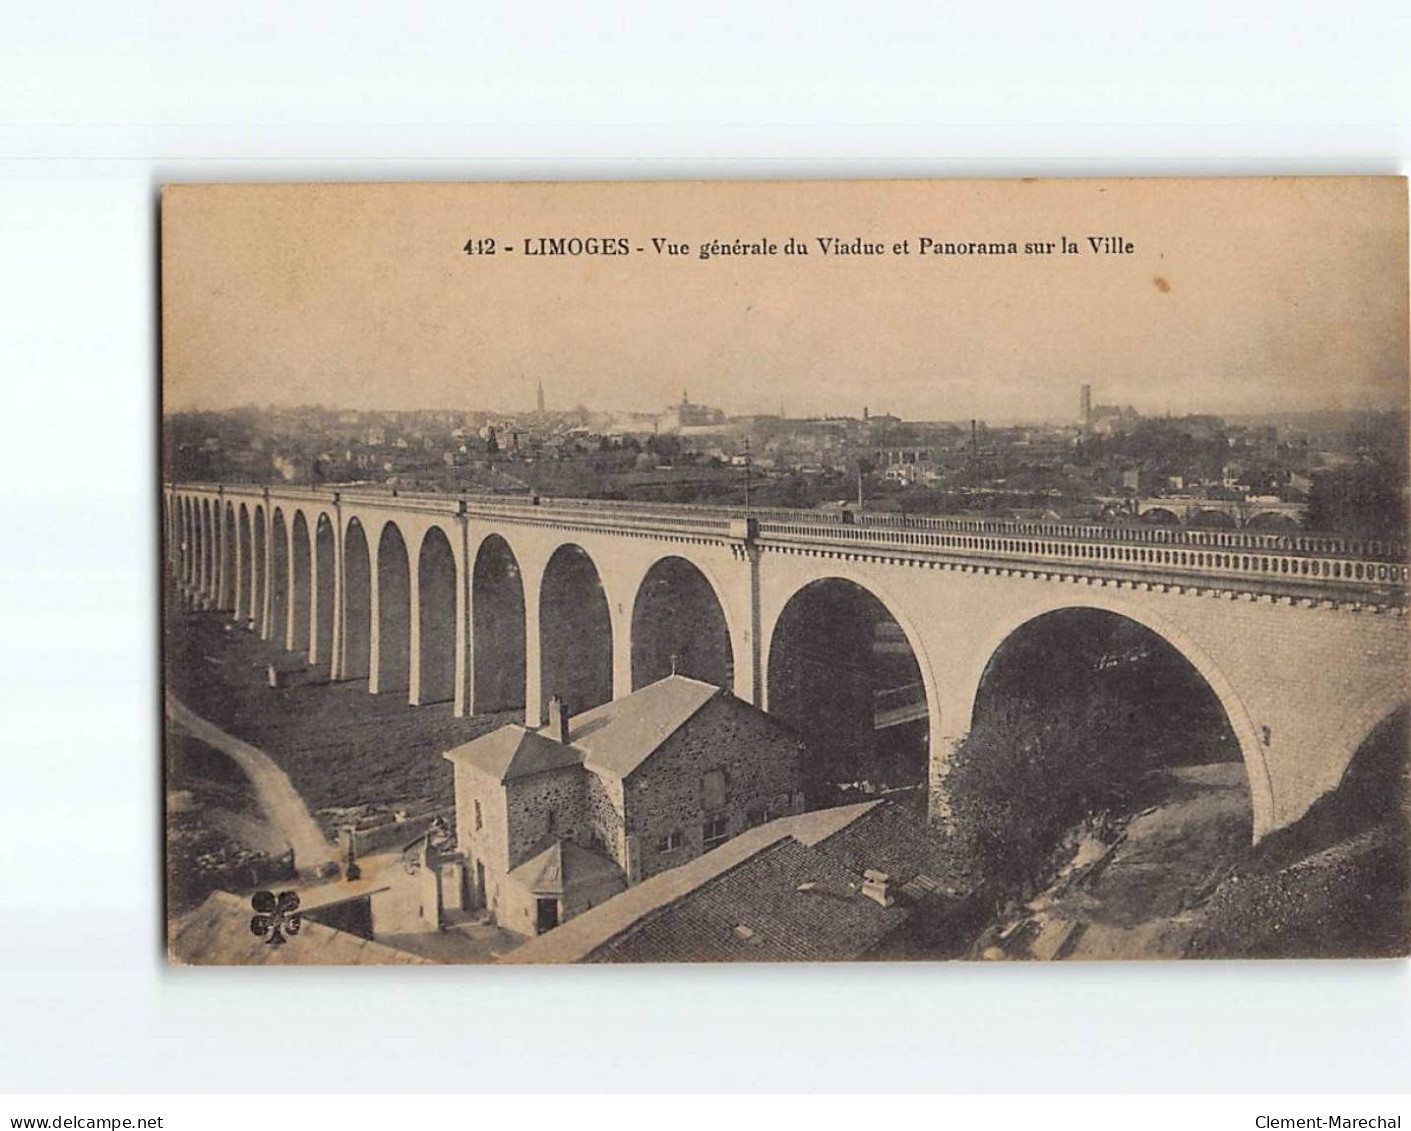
[(275, 917)]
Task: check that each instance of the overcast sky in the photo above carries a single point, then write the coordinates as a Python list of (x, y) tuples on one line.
[(1241, 296)]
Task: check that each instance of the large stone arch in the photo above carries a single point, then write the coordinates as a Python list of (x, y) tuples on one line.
[(197, 543), (497, 628), (213, 554), (1237, 714), (1272, 522), (321, 578), (245, 575), (680, 624), (187, 542), (858, 586), (276, 629), (575, 631), (300, 583), (356, 643), (1160, 516), (393, 601), (259, 579), (203, 546), (1212, 519), (436, 618)]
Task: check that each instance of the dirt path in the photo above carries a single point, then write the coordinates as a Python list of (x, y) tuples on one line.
[(282, 804)]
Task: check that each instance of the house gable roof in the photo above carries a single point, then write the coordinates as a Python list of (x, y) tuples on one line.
[(619, 736), (561, 866), (513, 752)]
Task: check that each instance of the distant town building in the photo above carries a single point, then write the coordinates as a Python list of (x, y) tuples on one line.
[(688, 415), (1104, 419), (556, 820)]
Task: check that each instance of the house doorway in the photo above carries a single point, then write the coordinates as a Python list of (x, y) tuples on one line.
[(548, 915)]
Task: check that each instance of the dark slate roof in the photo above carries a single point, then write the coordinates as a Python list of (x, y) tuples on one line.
[(619, 736), (756, 913), (514, 752), (742, 901), (561, 866)]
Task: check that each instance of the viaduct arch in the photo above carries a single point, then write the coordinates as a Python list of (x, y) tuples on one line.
[(435, 601), (575, 631), (1218, 683), (1301, 638), (390, 664), (679, 625), (498, 613)]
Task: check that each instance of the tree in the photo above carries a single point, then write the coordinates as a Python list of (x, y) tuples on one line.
[(1022, 777), (1363, 500)]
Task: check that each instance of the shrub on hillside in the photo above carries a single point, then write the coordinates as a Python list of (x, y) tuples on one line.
[(1021, 778)]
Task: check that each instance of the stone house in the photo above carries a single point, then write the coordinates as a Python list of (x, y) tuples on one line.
[(556, 820)]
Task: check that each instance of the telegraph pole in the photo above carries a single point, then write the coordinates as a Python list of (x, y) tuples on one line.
[(747, 475)]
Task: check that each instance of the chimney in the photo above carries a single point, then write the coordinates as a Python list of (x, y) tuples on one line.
[(558, 720), (877, 886)]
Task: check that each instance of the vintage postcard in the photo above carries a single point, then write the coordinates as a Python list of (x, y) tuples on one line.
[(754, 572)]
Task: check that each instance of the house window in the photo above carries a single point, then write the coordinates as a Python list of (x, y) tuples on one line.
[(715, 832), (479, 822), (713, 791), (755, 816), (670, 841)]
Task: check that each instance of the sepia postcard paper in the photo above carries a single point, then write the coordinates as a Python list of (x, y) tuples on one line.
[(808, 571)]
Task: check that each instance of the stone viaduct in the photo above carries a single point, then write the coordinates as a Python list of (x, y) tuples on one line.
[(1269, 516), (493, 603)]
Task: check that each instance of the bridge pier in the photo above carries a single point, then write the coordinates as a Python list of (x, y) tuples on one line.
[(315, 598), (335, 651), (460, 700), (414, 688), (621, 650), (267, 594), (533, 658), (374, 631)]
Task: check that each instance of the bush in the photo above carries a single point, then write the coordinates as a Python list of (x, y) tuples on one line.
[(1021, 778)]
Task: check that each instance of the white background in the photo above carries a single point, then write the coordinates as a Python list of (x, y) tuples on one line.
[(99, 105)]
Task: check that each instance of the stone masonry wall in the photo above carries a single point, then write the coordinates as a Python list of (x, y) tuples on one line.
[(544, 805), (761, 762)]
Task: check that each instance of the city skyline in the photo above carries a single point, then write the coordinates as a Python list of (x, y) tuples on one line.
[(1072, 419)]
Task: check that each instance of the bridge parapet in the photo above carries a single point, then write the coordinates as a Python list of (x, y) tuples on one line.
[(1283, 573)]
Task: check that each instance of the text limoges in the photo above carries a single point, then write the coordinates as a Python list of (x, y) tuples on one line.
[(577, 245)]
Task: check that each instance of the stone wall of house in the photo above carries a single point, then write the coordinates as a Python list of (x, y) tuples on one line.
[(602, 818), (541, 806), (485, 845), (515, 909), (760, 761)]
